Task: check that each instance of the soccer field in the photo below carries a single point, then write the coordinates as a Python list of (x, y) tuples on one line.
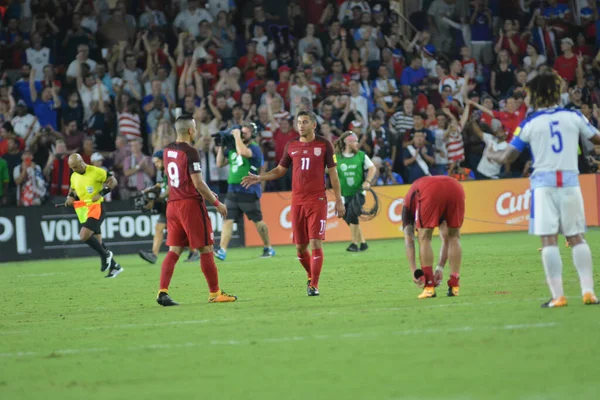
[(68, 333)]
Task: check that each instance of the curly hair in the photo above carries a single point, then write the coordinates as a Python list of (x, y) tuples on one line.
[(339, 144), (545, 89)]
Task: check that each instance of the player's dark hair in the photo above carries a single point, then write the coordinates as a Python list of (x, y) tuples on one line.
[(308, 114), (184, 117), (545, 89)]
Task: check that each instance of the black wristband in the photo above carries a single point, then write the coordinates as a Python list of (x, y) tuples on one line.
[(105, 190)]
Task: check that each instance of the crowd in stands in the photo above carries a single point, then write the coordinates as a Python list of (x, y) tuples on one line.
[(426, 88)]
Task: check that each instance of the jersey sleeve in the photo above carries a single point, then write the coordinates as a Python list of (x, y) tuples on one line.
[(101, 175), (586, 129), (330, 161), (286, 160), (521, 136), (193, 159), (367, 163)]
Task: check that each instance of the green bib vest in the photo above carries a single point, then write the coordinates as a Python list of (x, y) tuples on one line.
[(239, 167), (351, 172)]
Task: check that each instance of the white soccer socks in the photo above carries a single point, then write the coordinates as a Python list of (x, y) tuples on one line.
[(553, 267)]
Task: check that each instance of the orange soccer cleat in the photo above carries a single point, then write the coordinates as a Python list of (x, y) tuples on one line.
[(221, 297), (555, 303), (590, 298), (428, 293)]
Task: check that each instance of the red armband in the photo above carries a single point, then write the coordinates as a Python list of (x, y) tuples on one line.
[(216, 203)]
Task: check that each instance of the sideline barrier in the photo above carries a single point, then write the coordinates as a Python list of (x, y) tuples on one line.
[(491, 206), (45, 232)]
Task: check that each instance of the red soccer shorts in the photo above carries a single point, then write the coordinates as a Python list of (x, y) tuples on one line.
[(444, 201), (309, 221), (188, 224)]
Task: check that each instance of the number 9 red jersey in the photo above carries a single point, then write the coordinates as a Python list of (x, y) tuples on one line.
[(181, 161)]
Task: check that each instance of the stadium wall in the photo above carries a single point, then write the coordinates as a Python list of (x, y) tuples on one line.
[(492, 206), (46, 232)]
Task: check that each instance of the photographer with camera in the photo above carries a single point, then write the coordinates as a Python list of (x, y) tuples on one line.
[(237, 147), (352, 164), (154, 199)]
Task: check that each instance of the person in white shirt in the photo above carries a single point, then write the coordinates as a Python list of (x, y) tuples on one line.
[(345, 12), (384, 86), (552, 133), (24, 124), (90, 91), (298, 91), (38, 56), (358, 102), (84, 50), (496, 141), (189, 20)]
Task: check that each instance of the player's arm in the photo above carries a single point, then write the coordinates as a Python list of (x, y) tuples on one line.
[(240, 147), (109, 184), (203, 189), (337, 190), (71, 195), (273, 174), (330, 163)]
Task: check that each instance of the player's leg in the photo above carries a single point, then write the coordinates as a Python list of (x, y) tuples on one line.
[(573, 226), (426, 260), (455, 259), (90, 235), (177, 241), (316, 265), (316, 219), (234, 213), (250, 205), (544, 222), (300, 235), (439, 271), (199, 232)]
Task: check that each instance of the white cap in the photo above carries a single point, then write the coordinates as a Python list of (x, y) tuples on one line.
[(97, 157)]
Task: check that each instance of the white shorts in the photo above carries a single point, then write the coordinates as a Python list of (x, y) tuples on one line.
[(557, 210)]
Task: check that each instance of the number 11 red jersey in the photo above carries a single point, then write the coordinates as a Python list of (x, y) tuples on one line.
[(181, 161), (309, 160)]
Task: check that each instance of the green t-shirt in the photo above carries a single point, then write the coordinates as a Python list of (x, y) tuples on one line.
[(4, 178), (352, 173), (239, 166)]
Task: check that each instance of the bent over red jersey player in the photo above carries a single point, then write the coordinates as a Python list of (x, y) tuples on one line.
[(188, 222), (431, 201), (309, 155)]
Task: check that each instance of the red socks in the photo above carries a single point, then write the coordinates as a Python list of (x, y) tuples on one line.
[(166, 270), (453, 281), (209, 269), (429, 279), (304, 259), (315, 266)]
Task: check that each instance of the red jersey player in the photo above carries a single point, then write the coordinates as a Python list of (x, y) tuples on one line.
[(430, 201), (188, 222), (309, 156)]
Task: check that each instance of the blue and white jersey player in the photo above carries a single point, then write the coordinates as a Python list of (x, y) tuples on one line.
[(553, 134)]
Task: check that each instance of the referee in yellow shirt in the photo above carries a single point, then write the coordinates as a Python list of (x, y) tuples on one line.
[(89, 185)]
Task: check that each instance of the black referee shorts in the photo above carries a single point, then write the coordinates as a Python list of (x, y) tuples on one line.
[(239, 204), (94, 224), (353, 208)]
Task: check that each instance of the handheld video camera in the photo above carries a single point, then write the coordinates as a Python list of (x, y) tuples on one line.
[(142, 201), (225, 138)]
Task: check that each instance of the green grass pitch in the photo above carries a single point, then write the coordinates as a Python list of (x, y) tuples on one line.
[(68, 333)]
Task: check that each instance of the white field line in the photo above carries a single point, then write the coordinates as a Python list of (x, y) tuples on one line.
[(245, 342)]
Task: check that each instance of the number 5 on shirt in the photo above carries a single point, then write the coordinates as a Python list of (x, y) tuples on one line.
[(556, 147)]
